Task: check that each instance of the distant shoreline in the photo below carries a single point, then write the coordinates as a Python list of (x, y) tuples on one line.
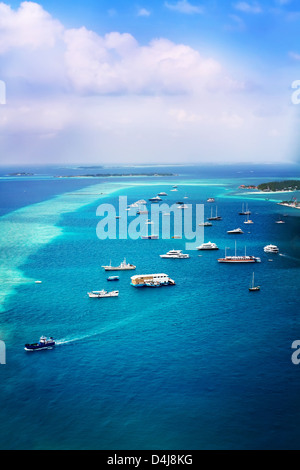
[(119, 175)]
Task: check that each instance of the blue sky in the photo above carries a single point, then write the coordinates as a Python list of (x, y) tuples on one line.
[(162, 81)]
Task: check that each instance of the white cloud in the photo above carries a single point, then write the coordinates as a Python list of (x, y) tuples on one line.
[(294, 56), (245, 7), (183, 6), (144, 12), (30, 26)]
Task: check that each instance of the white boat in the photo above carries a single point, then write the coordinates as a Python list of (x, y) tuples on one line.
[(175, 254), (150, 237), (271, 249), (162, 194), (174, 190), (206, 224), (237, 231), (101, 294), (149, 222), (152, 280), (208, 246), (248, 221), (211, 199), (124, 266), (141, 202), (182, 206), (155, 199)]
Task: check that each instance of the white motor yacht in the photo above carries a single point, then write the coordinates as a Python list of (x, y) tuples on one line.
[(175, 254)]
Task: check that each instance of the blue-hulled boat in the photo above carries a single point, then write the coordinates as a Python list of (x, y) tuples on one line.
[(43, 344)]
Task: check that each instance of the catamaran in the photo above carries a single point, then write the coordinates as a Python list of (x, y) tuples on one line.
[(217, 217)]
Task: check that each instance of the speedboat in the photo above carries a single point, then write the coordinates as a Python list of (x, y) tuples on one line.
[(208, 246), (162, 194), (175, 254), (271, 249), (101, 294), (237, 231), (182, 206), (211, 199), (205, 224), (113, 278), (43, 344), (155, 199)]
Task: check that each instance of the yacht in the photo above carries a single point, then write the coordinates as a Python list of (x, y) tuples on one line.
[(211, 199), (216, 217), (239, 259), (208, 246), (175, 254), (141, 202), (162, 194), (174, 190), (124, 266), (182, 206), (155, 199), (271, 249), (150, 237), (43, 344), (237, 231), (245, 211), (248, 221), (205, 224), (113, 278), (101, 294)]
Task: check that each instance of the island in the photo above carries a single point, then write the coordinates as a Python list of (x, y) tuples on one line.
[(280, 186), (21, 174), (118, 175)]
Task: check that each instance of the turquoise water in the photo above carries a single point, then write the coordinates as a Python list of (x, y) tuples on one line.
[(202, 365)]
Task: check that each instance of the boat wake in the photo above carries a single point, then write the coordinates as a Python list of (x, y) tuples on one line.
[(64, 341)]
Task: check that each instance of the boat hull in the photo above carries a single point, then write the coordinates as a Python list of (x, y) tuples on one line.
[(37, 347)]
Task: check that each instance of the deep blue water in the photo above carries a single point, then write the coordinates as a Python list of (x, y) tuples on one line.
[(202, 365)]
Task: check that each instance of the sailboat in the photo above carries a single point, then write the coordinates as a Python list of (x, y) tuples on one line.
[(216, 217), (245, 212), (252, 287)]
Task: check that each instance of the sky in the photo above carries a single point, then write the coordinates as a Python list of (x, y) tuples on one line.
[(160, 81)]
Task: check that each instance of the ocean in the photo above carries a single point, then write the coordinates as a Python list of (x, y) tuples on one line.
[(201, 365)]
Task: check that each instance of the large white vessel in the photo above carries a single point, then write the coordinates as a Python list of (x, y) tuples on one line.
[(124, 266), (101, 294), (239, 259), (208, 246), (271, 249), (152, 280), (175, 254), (155, 199)]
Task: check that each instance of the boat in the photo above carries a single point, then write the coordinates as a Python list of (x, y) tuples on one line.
[(43, 344), (239, 259), (113, 278), (237, 231), (216, 217), (205, 224), (152, 280), (162, 194), (101, 294), (142, 212), (141, 202), (271, 249), (155, 199), (248, 221), (245, 211), (124, 266), (208, 246), (149, 222), (182, 206), (174, 190), (211, 199), (150, 237), (252, 287), (175, 254)]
